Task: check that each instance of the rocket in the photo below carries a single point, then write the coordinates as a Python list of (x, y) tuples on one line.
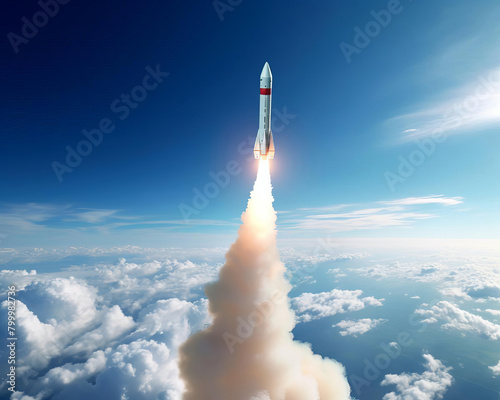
[(264, 144)]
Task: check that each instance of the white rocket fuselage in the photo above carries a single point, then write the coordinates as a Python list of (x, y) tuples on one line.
[(264, 144)]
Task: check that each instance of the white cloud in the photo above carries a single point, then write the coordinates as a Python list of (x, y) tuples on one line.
[(159, 293), (453, 317), (113, 332), (68, 373), (355, 221), (492, 312), (172, 320), (52, 314), (93, 216), (394, 213), (112, 325), (495, 369), (359, 327), (429, 385), (311, 306), (455, 292), (28, 217), (468, 108), (57, 224), (9, 273), (433, 199), (467, 278)]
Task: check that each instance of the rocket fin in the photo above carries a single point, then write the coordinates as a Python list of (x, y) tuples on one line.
[(271, 146), (256, 148)]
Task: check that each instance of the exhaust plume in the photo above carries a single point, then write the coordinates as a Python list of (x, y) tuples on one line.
[(248, 353)]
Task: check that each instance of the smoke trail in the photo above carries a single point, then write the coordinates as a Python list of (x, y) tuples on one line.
[(249, 352)]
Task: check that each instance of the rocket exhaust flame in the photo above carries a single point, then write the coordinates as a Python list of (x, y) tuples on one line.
[(249, 353)]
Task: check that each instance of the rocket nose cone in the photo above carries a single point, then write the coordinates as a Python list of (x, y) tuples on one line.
[(266, 71)]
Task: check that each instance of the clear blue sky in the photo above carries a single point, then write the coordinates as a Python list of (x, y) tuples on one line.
[(353, 123)]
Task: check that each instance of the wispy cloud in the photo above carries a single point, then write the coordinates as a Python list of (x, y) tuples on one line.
[(333, 207), (467, 108), (28, 217), (400, 212), (41, 221), (433, 199), (64, 219), (359, 221), (93, 216)]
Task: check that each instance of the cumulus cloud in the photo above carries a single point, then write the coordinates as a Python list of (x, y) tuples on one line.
[(64, 309), (359, 327), (495, 369), (83, 338), (478, 291), (311, 306), (134, 285), (112, 324), (455, 292), (452, 317), (59, 378), (429, 385), (484, 291)]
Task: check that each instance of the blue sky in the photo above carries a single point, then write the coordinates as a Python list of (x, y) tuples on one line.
[(343, 126)]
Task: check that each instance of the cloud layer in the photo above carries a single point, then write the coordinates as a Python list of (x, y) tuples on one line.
[(111, 332)]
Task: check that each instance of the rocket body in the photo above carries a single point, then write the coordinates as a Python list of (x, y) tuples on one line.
[(264, 144)]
